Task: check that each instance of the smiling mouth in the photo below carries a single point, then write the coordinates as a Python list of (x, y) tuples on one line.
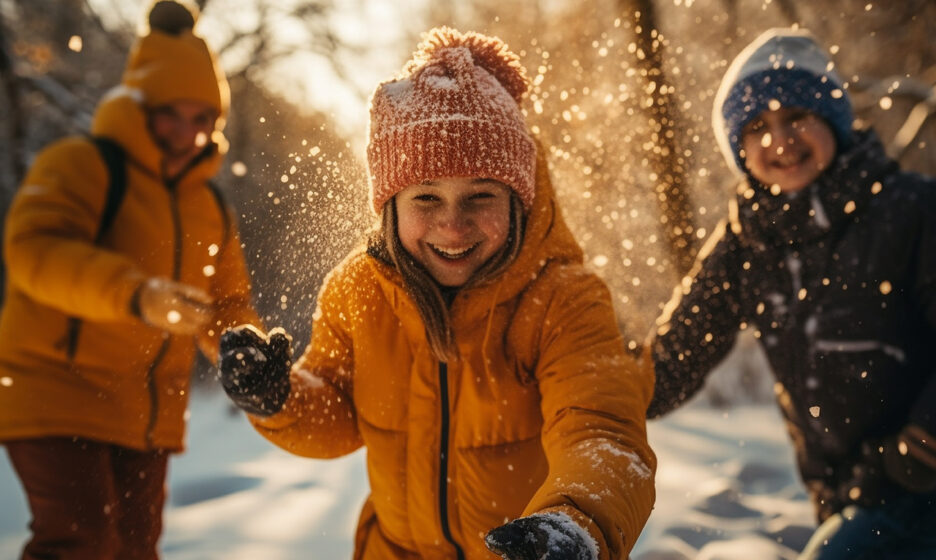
[(453, 253), (792, 160)]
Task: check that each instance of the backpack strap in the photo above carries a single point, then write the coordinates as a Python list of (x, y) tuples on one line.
[(115, 159)]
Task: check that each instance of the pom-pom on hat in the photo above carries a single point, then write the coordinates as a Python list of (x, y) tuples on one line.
[(786, 66), (171, 63), (454, 111)]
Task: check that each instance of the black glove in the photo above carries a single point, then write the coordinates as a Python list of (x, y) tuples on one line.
[(255, 368), (909, 460), (542, 536), (894, 458)]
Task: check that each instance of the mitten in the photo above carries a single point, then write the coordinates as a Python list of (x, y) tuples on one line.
[(542, 536), (172, 306), (255, 368), (910, 459)]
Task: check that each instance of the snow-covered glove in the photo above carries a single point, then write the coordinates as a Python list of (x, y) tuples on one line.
[(910, 459), (542, 536), (172, 306), (255, 368)]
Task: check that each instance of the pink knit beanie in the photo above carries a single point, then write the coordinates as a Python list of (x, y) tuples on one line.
[(453, 112)]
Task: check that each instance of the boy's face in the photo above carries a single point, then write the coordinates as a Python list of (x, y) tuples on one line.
[(453, 225), (182, 128), (788, 147)]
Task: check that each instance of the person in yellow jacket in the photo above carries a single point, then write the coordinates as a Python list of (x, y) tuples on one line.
[(98, 336), (465, 345)]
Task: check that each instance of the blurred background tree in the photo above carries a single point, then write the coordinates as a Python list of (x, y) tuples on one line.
[(622, 99)]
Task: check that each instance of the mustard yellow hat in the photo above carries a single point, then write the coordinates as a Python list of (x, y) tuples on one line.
[(171, 63)]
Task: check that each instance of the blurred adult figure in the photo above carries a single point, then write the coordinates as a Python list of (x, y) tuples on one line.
[(121, 263)]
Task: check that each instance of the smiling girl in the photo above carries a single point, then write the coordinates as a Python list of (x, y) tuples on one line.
[(465, 345)]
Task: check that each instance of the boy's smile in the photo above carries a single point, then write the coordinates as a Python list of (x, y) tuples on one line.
[(453, 225), (788, 147), (181, 129)]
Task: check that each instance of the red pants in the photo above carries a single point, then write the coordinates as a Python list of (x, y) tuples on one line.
[(90, 500)]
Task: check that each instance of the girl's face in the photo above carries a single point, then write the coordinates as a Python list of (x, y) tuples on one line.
[(788, 147), (453, 225)]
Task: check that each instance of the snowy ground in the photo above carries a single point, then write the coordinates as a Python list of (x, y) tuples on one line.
[(726, 490)]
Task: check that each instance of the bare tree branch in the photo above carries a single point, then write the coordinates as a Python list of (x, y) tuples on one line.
[(119, 40), (268, 50), (911, 128), (868, 94), (869, 91), (16, 129), (67, 103)]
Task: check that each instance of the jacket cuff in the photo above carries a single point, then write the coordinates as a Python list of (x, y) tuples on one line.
[(135, 302), (129, 295)]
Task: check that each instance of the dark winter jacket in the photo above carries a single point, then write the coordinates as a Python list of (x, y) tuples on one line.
[(838, 282)]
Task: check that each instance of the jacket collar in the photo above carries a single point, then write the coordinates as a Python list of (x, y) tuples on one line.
[(836, 197)]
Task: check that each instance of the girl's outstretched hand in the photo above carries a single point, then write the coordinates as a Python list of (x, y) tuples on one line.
[(255, 368), (542, 536)]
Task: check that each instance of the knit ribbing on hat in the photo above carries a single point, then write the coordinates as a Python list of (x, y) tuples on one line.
[(171, 63), (452, 112), (781, 66)]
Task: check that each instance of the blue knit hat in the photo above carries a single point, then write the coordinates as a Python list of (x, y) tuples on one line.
[(786, 66)]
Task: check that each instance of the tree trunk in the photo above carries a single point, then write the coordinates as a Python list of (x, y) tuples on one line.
[(667, 162), (16, 128)]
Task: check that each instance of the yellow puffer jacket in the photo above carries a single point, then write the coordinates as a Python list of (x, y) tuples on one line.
[(544, 411), (121, 381)]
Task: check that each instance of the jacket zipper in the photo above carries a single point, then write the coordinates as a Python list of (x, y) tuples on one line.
[(164, 348), (443, 461)]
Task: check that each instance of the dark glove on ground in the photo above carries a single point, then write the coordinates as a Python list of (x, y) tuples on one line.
[(255, 368), (546, 536)]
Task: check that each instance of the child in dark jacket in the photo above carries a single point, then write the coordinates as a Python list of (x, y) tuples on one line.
[(829, 254)]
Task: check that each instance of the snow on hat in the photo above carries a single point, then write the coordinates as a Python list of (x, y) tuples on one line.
[(454, 111), (171, 63), (786, 66)]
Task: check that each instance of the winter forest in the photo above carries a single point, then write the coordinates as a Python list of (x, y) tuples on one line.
[(621, 98)]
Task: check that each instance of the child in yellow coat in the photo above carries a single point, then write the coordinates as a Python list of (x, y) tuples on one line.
[(465, 345)]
